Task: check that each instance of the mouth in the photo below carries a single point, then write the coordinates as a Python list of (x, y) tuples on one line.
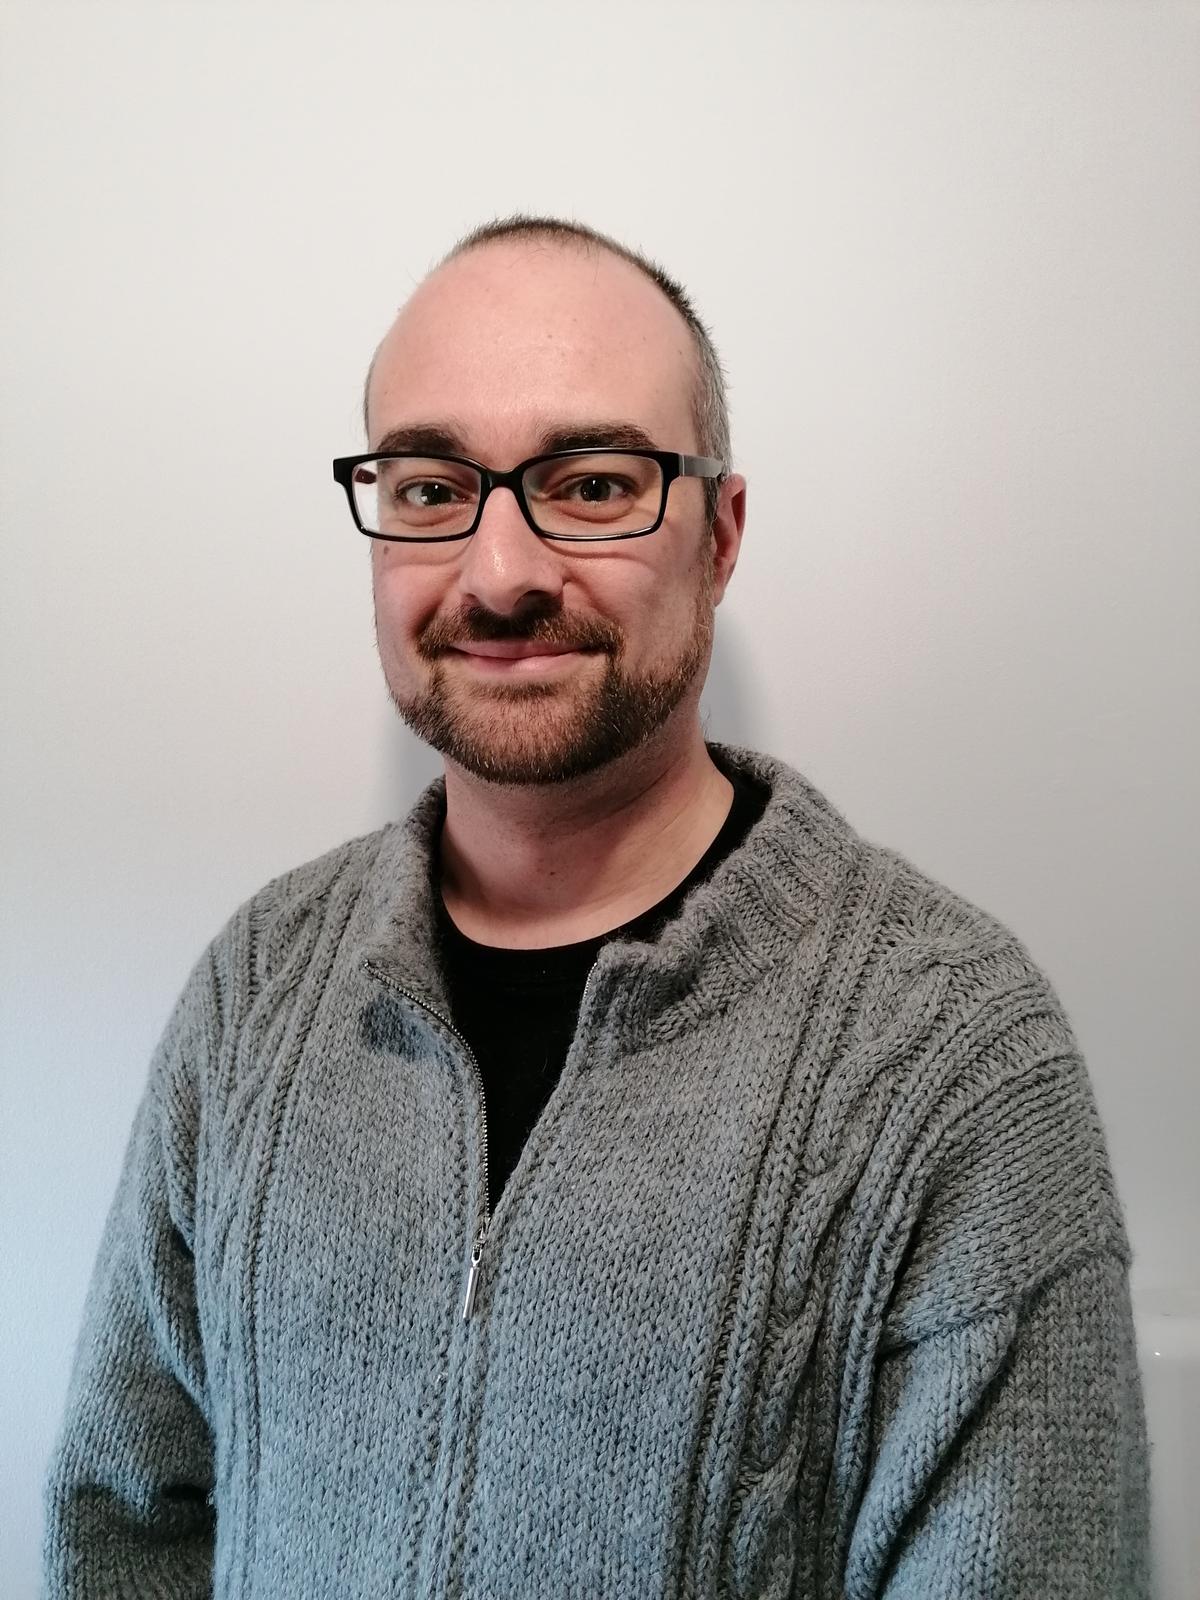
[(514, 649), (517, 657)]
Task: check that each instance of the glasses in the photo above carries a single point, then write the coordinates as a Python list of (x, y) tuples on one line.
[(573, 494)]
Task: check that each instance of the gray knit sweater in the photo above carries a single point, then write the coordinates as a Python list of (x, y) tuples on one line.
[(811, 1281)]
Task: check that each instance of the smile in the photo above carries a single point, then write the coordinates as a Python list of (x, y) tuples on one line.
[(506, 660)]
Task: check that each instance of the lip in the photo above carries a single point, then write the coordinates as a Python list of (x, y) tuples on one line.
[(514, 649), (520, 659)]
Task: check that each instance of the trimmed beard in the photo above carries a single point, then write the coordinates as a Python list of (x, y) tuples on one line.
[(514, 733)]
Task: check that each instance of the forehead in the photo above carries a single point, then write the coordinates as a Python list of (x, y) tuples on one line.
[(513, 338)]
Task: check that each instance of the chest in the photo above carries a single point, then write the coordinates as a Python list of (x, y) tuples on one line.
[(606, 1385)]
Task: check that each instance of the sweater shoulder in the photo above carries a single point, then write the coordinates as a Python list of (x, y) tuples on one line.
[(245, 976), (342, 868), (923, 912), (924, 950), (1001, 1026), (1000, 1012), (1005, 1166), (282, 924)]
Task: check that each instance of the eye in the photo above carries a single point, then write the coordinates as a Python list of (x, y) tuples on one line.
[(616, 488), (595, 489), (425, 493)]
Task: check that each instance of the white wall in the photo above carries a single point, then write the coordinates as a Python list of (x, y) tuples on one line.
[(951, 256)]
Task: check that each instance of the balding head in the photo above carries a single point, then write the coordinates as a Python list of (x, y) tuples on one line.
[(628, 293)]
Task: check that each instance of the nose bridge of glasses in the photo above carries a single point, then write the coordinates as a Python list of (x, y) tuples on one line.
[(512, 480)]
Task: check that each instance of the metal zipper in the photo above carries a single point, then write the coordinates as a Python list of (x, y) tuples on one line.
[(481, 1237)]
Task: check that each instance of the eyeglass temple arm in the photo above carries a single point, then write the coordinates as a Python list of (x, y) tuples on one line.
[(701, 467)]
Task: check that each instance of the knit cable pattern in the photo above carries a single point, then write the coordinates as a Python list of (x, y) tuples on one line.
[(811, 1282)]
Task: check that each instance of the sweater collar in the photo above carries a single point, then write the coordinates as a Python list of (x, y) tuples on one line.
[(730, 932)]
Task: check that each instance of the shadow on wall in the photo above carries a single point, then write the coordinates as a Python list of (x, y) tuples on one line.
[(728, 713)]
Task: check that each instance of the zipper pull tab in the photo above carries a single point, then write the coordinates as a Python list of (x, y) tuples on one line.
[(473, 1275)]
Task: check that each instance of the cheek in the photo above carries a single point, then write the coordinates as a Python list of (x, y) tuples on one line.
[(405, 597)]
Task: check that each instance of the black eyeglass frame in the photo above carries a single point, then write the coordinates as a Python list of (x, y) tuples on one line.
[(673, 465)]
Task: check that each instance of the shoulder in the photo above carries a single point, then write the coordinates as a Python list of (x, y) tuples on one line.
[(269, 959), (276, 933), (1005, 1172), (1001, 1043), (924, 933), (922, 909), (313, 889), (891, 918)]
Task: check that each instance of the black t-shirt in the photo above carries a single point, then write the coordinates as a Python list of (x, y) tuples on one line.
[(517, 1009)]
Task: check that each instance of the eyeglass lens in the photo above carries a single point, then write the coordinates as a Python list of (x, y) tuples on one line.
[(592, 496)]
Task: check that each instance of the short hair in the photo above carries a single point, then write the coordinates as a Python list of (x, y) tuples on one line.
[(710, 411)]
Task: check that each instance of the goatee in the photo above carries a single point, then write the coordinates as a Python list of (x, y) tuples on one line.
[(531, 732)]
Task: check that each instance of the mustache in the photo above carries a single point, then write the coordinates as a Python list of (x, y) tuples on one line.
[(475, 625)]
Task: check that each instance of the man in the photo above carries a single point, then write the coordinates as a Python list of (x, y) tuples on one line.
[(618, 1178)]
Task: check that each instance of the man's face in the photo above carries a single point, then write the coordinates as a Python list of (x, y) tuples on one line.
[(510, 350)]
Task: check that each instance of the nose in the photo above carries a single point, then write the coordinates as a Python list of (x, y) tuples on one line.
[(505, 561)]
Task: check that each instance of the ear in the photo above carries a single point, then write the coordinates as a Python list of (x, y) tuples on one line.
[(728, 522)]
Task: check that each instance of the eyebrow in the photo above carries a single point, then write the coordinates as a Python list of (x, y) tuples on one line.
[(437, 439), (425, 437), (591, 436)]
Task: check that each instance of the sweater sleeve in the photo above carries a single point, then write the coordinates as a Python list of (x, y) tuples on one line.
[(1009, 1455), (1007, 1452), (127, 1497)]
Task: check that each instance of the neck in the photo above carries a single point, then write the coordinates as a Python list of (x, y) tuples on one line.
[(531, 866)]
